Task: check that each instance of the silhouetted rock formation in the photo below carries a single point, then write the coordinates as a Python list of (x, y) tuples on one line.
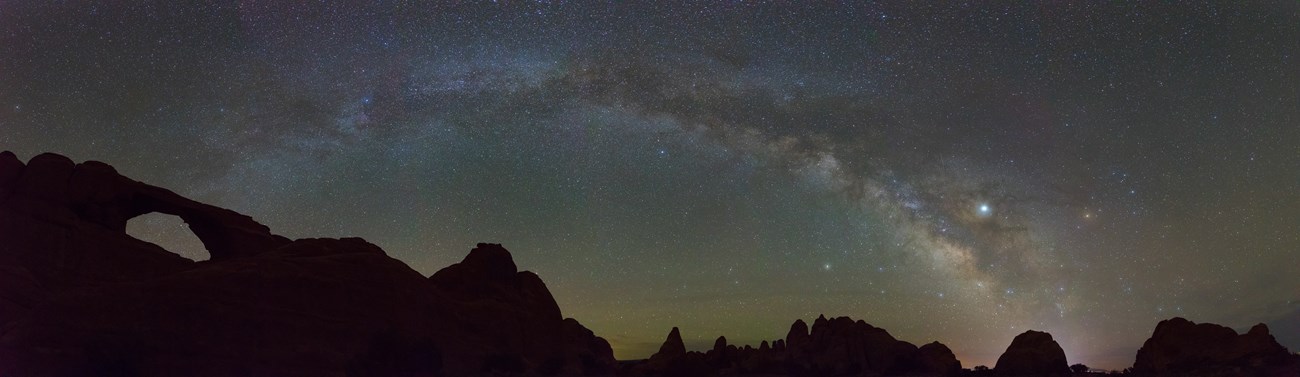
[(672, 347), (719, 345), (935, 358), (1033, 353), (797, 338), (1182, 347), (78, 296), (835, 347), (673, 359)]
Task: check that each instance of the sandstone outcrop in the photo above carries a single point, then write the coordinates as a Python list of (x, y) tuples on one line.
[(1033, 353), (1182, 347), (78, 296), (936, 359)]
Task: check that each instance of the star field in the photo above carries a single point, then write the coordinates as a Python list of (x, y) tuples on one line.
[(959, 172)]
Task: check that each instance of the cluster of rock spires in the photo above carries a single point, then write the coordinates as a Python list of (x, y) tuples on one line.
[(843, 347), (80, 297), (834, 347)]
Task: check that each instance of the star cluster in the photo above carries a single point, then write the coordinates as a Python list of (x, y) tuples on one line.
[(959, 172)]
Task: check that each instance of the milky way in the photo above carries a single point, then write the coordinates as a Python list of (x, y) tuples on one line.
[(959, 172)]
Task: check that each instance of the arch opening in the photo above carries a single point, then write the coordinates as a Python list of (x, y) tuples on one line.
[(170, 233)]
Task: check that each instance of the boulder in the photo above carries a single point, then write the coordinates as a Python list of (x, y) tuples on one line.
[(1033, 353), (936, 359)]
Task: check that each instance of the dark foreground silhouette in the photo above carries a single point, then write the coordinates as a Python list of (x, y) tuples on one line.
[(843, 347), (834, 347), (80, 297), (1183, 348)]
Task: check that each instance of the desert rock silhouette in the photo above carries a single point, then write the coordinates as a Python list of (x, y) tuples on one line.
[(1182, 347), (834, 347), (1033, 353), (81, 297)]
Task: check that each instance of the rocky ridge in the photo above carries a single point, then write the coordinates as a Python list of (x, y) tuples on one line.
[(78, 296), (1182, 347)]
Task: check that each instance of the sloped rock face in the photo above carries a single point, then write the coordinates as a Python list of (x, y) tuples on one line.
[(833, 347), (1033, 353), (1182, 347), (502, 305), (79, 297)]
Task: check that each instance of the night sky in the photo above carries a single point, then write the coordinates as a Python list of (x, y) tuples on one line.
[(960, 172)]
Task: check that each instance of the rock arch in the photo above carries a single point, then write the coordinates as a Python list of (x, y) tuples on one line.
[(169, 232), (55, 187)]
